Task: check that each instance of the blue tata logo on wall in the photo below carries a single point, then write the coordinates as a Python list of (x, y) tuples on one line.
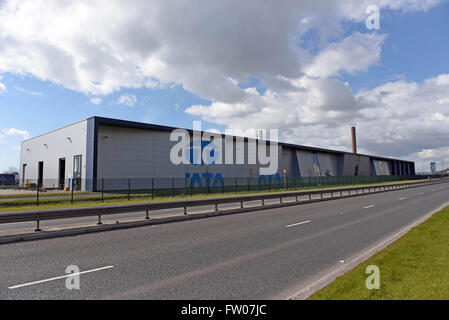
[(204, 153)]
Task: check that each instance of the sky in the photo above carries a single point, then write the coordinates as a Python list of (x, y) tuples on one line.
[(310, 69)]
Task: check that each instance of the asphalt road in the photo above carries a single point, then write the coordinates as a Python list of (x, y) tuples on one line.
[(254, 255)]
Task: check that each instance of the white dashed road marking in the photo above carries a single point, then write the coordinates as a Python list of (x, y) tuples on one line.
[(297, 224), (367, 207)]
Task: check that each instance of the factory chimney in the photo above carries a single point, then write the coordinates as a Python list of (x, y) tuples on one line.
[(354, 140)]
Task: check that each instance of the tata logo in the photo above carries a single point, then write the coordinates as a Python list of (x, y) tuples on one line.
[(202, 152), (210, 179)]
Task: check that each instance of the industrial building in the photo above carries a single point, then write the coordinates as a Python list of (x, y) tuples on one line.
[(87, 152)]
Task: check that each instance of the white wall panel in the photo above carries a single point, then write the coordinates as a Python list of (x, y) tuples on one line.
[(49, 148)]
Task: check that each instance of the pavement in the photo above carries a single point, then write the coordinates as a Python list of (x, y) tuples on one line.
[(265, 254)]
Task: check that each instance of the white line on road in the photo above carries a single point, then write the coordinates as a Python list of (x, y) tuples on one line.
[(421, 193), (400, 199), (367, 207), (57, 278), (297, 224)]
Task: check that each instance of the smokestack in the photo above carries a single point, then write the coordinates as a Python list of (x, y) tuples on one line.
[(354, 140)]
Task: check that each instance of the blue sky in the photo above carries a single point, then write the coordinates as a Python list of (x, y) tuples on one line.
[(415, 49)]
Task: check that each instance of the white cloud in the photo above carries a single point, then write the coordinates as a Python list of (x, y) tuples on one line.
[(432, 154), (2, 86), (101, 46), (34, 93), (355, 9), (355, 53), (96, 100), (309, 100), (16, 132), (128, 100)]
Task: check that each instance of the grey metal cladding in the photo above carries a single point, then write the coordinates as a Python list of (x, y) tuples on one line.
[(364, 166), (305, 161), (349, 165)]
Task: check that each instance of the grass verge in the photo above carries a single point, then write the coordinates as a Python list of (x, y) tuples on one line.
[(415, 267), (32, 194)]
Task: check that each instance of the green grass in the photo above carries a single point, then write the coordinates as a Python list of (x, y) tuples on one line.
[(95, 199), (416, 267), (32, 194)]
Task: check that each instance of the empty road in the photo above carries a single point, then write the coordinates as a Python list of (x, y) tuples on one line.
[(255, 255)]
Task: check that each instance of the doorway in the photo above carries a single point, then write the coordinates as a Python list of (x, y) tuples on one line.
[(61, 182), (40, 174)]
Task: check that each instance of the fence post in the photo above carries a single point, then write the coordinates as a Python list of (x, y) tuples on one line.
[(38, 229), (37, 197), (129, 189), (222, 185), (152, 188), (173, 187), (102, 190), (248, 184), (73, 187)]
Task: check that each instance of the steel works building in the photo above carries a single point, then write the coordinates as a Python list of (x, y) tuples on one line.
[(98, 151)]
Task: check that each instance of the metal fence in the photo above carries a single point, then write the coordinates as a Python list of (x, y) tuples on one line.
[(206, 184), (137, 188), (216, 185)]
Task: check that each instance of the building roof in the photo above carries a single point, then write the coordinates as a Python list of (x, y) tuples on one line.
[(149, 126)]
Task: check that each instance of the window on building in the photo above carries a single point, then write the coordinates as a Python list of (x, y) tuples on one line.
[(316, 164)]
